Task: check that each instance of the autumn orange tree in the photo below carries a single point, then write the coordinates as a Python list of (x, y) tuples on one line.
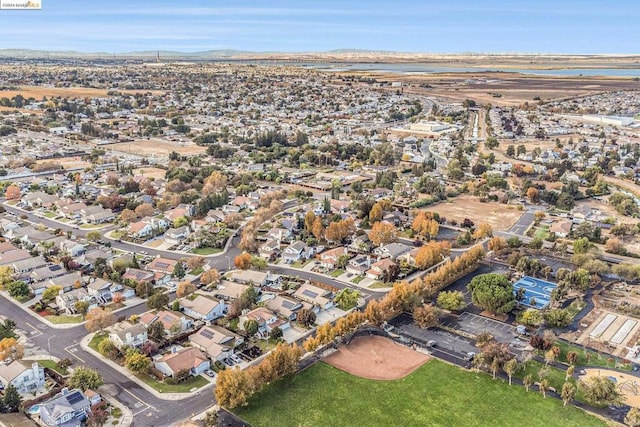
[(425, 225), (242, 261), (12, 192), (337, 231), (185, 288), (317, 229), (10, 347), (431, 254), (382, 233), (98, 318), (483, 230), (497, 244), (210, 276)]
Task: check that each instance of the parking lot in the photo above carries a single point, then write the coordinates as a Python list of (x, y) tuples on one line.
[(475, 325), (446, 342)]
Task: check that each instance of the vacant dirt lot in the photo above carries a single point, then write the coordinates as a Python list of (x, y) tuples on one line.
[(155, 173), (499, 216), (376, 358), (38, 92), (157, 147)]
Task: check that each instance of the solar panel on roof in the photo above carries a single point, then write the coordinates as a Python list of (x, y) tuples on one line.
[(74, 398), (207, 334), (287, 304), (167, 318), (162, 264), (310, 294), (55, 268)]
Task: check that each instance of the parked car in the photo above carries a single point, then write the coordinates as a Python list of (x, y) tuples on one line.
[(210, 373), (431, 343)]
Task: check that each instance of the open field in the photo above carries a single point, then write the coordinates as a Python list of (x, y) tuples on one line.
[(504, 88), (376, 358), (38, 92), (436, 394), (155, 173), (157, 147), (461, 207)]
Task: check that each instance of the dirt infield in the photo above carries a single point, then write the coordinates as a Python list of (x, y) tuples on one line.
[(376, 358), (627, 384)]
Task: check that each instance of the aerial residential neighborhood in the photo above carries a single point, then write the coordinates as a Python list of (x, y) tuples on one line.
[(289, 214)]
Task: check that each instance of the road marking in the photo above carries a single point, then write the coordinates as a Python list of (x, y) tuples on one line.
[(138, 399), (72, 352), (36, 330)]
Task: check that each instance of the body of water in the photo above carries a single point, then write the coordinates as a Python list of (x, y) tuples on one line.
[(632, 71)]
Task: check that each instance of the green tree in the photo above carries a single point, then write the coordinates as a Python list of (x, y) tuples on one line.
[(210, 419), (568, 392), (258, 263), (158, 301), (510, 367), (527, 381), (557, 318), (18, 288), (156, 330), (137, 362), (347, 298), (451, 300), (94, 236), (600, 391), (251, 327), (12, 398), (276, 334), (632, 419), (178, 270), (492, 292), (85, 378), (581, 246), (51, 293), (81, 307)]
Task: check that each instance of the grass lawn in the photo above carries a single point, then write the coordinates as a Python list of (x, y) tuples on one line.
[(205, 251), (183, 387), (97, 339), (541, 233), (437, 394), (378, 285), (300, 264), (92, 226), (64, 319), (357, 279), (50, 214), (52, 365), (337, 272), (588, 357), (265, 345)]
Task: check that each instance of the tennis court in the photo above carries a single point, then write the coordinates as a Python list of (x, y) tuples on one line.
[(537, 292)]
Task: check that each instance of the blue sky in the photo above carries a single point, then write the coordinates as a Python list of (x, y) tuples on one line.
[(535, 26)]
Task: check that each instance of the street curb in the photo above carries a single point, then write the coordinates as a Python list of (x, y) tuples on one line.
[(127, 415), (84, 343)]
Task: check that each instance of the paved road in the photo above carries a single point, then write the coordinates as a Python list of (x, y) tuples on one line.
[(148, 410)]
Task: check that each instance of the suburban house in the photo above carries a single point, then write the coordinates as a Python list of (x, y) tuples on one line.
[(229, 290), (269, 250), (100, 289), (561, 228), (72, 248), (140, 276), (359, 265), (203, 308), (279, 234), (174, 323), (67, 301), (314, 295), (147, 226), (267, 321), (175, 236), (67, 409), (379, 268), (25, 379), (329, 259), (47, 272), (68, 281), (28, 264), (189, 359), (392, 250), (127, 334), (216, 342), (297, 251), (162, 265), (257, 278), (285, 307), (179, 211)]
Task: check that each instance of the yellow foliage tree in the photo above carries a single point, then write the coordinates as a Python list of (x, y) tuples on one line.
[(483, 230), (10, 347), (382, 233)]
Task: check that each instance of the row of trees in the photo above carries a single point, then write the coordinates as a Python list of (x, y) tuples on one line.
[(234, 386)]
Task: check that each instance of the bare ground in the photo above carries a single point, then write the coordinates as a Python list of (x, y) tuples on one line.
[(157, 147), (376, 358), (499, 216)]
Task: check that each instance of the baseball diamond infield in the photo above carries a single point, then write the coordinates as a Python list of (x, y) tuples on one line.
[(376, 358)]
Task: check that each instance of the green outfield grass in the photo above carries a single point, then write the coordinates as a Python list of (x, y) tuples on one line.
[(437, 394)]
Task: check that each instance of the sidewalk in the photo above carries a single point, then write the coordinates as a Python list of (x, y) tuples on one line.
[(127, 416), (84, 343)]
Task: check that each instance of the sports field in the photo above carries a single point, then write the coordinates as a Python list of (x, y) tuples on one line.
[(436, 394)]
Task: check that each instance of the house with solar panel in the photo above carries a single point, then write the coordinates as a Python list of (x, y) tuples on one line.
[(321, 299), (67, 409), (217, 343)]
